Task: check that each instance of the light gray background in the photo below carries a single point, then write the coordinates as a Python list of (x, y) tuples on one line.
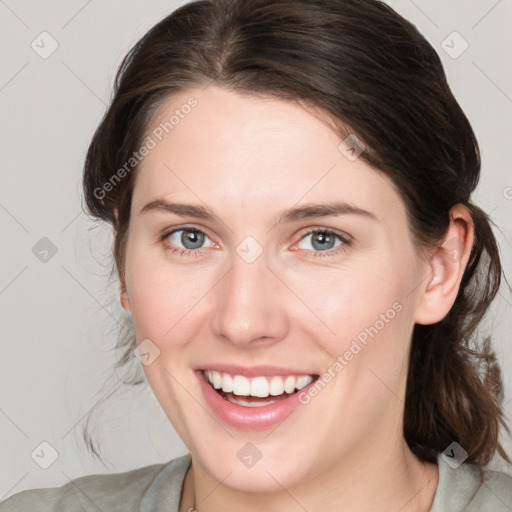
[(56, 317)]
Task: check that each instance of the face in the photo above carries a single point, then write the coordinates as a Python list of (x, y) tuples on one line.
[(263, 282)]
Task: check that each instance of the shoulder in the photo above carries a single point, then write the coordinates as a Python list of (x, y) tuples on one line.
[(464, 489), (108, 492), (494, 494)]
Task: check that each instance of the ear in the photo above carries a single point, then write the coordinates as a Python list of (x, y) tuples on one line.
[(445, 268), (123, 293), (123, 297), (116, 215)]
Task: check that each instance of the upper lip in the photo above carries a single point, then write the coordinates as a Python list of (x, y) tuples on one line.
[(254, 371)]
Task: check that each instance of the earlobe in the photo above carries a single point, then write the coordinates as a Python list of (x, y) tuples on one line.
[(124, 299), (123, 294), (445, 268), (116, 217)]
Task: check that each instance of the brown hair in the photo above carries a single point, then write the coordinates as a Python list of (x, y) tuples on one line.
[(374, 73)]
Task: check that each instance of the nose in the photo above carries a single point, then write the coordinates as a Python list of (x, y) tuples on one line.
[(249, 306)]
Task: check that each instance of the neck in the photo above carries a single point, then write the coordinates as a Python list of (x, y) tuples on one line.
[(391, 481)]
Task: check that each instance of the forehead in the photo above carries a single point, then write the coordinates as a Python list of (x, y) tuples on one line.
[(224, 148)]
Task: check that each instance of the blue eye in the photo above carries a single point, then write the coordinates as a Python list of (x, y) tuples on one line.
[(191, 241), (186, 241), (190, 238), (324, 241)]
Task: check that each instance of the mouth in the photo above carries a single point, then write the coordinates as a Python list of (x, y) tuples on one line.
[(257, 391), (253, 403)]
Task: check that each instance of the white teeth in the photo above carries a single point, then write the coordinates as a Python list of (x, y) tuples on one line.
[(217, 380), (258, 386), (303, 381), (277, 387), (239, 400), (290, 383), (241, 385), (227, 383)]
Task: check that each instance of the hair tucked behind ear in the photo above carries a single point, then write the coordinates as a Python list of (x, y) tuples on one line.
[(454, 386), (376, 76)]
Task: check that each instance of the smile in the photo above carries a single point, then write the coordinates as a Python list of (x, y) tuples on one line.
[(260, 387), (252, 403)]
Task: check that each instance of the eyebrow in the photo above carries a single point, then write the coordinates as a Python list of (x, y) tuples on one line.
[(308, 211)]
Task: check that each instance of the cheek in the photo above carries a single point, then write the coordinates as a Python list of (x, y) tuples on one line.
[(365, 303), (162, 296)]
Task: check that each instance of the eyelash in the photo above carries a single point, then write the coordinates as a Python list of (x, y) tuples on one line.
[(346, 242)]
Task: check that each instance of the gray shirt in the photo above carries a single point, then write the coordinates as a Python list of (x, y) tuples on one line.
[(157, 488)]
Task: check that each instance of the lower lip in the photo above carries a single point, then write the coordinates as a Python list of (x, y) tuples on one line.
[(248, 418)]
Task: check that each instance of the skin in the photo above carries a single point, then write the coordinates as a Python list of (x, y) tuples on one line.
[(247, 159)]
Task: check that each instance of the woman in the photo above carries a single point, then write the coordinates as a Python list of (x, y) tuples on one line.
[(289, 185)]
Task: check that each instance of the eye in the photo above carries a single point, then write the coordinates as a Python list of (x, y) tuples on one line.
[(323, 240), (190, 241), (186, 240)]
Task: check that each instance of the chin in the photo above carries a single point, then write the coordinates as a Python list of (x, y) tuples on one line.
[(268, 473)]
